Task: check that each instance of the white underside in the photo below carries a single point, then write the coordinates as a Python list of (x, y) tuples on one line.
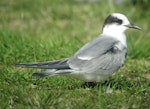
[(90, 77)]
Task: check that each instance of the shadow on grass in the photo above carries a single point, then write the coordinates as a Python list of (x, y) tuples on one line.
[(122, 83)]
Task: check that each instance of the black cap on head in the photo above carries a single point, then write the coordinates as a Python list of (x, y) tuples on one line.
[(112, 19)]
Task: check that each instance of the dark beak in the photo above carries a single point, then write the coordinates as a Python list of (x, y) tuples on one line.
[(133, 26)]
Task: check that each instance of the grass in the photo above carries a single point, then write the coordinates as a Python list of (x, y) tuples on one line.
[(36, 31)]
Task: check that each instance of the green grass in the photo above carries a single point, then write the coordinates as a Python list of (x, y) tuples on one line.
[(43, 30)]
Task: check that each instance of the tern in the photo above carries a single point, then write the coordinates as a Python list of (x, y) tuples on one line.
[(96, 60)]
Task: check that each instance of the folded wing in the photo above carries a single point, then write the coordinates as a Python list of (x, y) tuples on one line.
[(104, 53)]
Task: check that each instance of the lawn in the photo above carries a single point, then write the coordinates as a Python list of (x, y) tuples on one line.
[(43, 30)]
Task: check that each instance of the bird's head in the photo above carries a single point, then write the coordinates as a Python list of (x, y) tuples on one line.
[(117, 23)]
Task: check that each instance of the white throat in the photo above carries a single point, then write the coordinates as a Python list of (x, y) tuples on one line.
[(117, 32)]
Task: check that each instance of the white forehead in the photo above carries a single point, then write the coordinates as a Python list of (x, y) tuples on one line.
[(122, 17)]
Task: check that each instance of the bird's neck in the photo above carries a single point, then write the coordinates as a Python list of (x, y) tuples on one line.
[(116, 33)]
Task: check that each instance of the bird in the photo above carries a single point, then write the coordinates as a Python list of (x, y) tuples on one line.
[(97, 60)]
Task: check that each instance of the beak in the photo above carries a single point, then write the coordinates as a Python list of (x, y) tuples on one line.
[(133, 26)]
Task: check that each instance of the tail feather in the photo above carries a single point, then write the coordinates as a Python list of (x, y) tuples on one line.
[(41, 74), (51, 73), (59, 64)]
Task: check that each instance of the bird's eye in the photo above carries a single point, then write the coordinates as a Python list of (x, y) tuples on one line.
[(118, 21)]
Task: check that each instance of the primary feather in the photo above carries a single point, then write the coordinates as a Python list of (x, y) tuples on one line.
[(58, 64)]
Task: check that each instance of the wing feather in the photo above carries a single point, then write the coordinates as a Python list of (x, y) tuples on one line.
[(103, 53), (58, 64)]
